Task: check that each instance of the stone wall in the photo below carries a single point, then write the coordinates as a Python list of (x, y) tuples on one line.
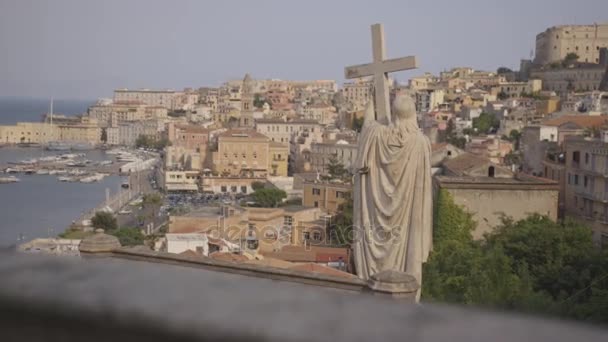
[(488, 205)]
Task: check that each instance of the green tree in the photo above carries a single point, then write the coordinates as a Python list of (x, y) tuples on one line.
[(335, 168), (233, 122), (152, 200), (515, 137), (104, 135), (451, 222), (258, 185), (160, 144), (341, 228), (128, 236), (503, 70), (104, 220), (452, 137), (512, 158), (502, 96), (148, 142), (258, 101), (486, 122), (268, 198), (358, 123), (570, 59)]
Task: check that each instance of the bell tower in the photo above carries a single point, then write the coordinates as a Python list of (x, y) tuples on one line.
[(247, 102)]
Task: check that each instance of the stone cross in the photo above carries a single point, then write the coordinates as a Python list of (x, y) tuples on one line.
[(379, 68)]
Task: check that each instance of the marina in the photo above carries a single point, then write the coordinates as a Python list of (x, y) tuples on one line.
[(76, 167)]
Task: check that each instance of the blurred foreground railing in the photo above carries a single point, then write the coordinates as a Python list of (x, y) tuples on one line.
[(50, 298)]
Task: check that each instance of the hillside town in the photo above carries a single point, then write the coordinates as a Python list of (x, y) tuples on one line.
[(260, 171)]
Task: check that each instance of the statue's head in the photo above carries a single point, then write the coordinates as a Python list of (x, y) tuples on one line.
[(404, 107)]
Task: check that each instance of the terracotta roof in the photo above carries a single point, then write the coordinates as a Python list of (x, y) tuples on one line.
[(271, 262), (277, 144), (243, 134), (190, 253), (192, 129), (316, 268), (464, 163), (231, 257), (309, 254), (580, 120)]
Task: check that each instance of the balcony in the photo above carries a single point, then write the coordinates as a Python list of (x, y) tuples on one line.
[(595, 196)]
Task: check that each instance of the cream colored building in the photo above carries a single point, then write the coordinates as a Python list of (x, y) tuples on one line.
[(425, 81), (273, 227), (246, 152), (321, 153), (28, 132), (150, 97), (325, 195), (586, 184), (87, 131), (580, 77), (181, 180), (279, 130), (429, 99), (358, 92), (489, 191), (517, 89), (556, 42)]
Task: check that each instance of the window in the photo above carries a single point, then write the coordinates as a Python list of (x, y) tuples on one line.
[(223, 188), (604, 241), (316, 204), (244, 189), (316, 191), (306, 235), (316, 236), (288, 221), (576, 157), (233, 188), (585, 181), (586, 158), (575, 179), (340, 194), (491, 171)]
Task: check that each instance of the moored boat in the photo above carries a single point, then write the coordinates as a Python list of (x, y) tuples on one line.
[(9, 179)]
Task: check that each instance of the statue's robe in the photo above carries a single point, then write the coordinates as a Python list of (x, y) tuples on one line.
[(392, 214)]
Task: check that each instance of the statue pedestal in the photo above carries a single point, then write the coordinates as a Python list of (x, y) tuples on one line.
[(395, 285)]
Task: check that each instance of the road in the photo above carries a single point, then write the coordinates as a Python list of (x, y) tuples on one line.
[(141, 216)]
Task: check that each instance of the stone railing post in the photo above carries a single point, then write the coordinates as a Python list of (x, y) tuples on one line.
[(98, 244), (394, 284)]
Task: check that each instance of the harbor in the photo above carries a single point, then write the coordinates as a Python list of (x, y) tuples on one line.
[(38, 204), (77, 167)]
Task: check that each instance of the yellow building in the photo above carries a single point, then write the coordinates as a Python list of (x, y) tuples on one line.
[(86, 131), (28, 132), (279, 154), (246, 152), (325, 195), (182, 180), (547, 106)]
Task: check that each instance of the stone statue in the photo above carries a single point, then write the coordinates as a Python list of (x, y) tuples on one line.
[(392, 194)]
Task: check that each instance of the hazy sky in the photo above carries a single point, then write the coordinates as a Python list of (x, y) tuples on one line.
[(86, 48)]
